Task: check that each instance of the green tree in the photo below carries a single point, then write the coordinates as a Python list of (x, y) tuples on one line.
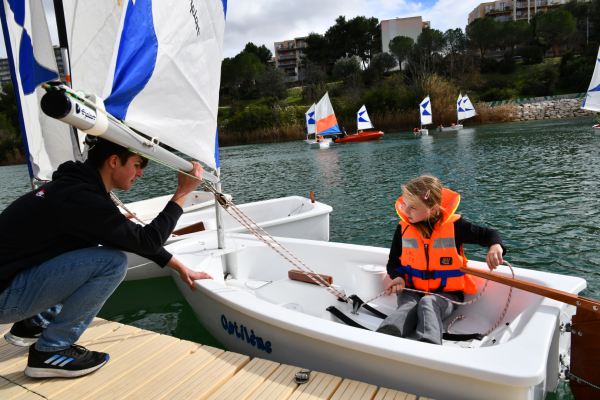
[(8, 106), (594, 14), (271, 83), (317, 50), (554, 27), (315, 83), (383, 62), (456, 43), (515, 33), (364, 37), (346, 66), (240, 72), (264, 54), (401, 47), (482, 34)]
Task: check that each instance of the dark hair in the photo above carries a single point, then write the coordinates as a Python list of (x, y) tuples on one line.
[(101, 150)]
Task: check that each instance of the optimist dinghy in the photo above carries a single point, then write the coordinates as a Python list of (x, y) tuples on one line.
[(262, 310), (294, 216), (464, 110), (326, 123), (362, 122)]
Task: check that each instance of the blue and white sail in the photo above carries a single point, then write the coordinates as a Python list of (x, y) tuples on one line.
[(468, 107), (425, 111), (311, 124), (362, 119), (158, 66), (32, 63), (592, 98), (460, 111)]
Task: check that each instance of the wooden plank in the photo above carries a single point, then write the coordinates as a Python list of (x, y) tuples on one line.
[(211, 378), (411, 397), (197, 227), (389, 394), (135, 380), (355, 390), (279, 386), (118, 348), (9, 391), (298, 275), (177, 375), (246, 381), (319, 387), (90, 385)]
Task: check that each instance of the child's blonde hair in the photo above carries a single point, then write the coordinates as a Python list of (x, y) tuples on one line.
[(428, 190)]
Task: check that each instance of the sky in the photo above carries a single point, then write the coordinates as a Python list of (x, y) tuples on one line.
[(269, 21)]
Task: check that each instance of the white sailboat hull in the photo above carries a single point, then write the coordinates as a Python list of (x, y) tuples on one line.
[(294, 217), (450, 128), (321, 145), (596, 129), (325, 140), (424, 132), (291, 316), (150, 208)]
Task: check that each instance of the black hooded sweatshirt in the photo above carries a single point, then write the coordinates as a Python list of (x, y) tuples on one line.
[(73, 212)]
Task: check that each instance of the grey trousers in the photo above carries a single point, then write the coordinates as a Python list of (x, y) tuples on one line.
[(424, 312)]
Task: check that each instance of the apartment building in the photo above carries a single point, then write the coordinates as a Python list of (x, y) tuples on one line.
[(6, 78), (288, 56), (505, 10), (411, 27)]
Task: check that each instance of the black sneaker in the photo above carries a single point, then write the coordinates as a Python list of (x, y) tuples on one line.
[(23, 335), (69, 363)]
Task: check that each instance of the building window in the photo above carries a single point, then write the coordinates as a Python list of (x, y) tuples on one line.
[(488, 8), (502, 6)]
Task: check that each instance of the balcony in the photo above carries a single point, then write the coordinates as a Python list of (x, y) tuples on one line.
[(301, 46), (503, 19), (287, 65), (288, 57), (494, 10), (285, 48)]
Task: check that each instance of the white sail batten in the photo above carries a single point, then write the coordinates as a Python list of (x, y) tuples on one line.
[(425, 112), (311, 125), (592, 98), (32, 62), (468, 107), (362, 119), (164, 74)]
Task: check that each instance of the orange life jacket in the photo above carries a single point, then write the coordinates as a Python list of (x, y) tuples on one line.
[(433, 264)]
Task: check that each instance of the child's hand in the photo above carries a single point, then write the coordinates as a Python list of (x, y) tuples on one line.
[(395, 286), (494, 256)]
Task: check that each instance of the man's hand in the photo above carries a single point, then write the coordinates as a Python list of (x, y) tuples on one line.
[(187, 184), (187, 275), (494, 256), (395, 286)]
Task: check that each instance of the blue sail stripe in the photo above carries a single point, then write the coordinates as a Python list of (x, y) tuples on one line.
[(11, 64), (425, 112), (333, 129), (224, 8), (18, 9), (217, 148), (31, 72), (136, 59)]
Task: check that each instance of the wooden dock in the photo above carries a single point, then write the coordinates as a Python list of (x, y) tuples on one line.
[(147, 365)]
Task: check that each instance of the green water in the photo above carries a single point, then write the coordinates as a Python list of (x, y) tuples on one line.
[(535, 182)]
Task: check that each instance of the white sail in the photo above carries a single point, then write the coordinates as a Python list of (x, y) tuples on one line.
[(468, 107), (362, 119), (460, 112), (592, 98), (32, 63), (325, 117), (425, 111), (311, 125), (157, 64)]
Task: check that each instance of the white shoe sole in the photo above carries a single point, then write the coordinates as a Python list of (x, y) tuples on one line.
[(19, 341), (58, 373)]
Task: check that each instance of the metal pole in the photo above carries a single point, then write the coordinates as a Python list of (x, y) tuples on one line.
[(64, 52), (219, 215)]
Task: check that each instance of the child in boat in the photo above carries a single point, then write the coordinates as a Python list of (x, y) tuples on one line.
[(426, 254)]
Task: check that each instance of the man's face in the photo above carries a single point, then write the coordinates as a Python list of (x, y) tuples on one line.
[(125, 175)]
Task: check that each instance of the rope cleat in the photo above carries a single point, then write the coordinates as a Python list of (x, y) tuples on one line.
[(302, 377), (356, 303)]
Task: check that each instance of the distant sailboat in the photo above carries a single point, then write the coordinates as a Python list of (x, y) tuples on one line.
[(464, 110), (311, 125), (592, 98), (425, 115), (362, 122), (326, 123)]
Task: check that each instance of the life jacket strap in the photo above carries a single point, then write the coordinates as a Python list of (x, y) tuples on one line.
[(429, 275)]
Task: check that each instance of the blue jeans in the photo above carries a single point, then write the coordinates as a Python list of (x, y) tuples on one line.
[(63, 294)]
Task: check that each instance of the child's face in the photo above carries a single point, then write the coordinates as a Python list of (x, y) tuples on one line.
[(415, 210)]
